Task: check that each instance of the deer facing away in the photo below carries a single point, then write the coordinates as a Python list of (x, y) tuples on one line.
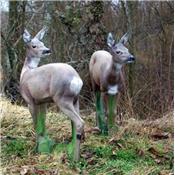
[(105, 73), (58, 83)]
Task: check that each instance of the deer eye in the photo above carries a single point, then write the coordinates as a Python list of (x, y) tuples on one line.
[(118, 52), (34, 46)]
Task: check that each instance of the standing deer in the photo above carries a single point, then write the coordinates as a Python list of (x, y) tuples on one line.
[(105, 73), (58, 83)]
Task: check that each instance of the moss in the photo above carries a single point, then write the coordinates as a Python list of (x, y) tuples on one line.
[(18, 147)]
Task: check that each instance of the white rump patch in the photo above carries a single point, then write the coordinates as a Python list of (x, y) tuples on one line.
[(76, 85), (113, 90)]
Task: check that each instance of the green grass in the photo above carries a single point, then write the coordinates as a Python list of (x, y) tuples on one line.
[(129, 154), (123, 161), (106, 162), (104, 158), (17, 147)]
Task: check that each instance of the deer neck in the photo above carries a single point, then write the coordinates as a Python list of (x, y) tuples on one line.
[(115, 66), (30, 63), (114, 69), (113, 75)]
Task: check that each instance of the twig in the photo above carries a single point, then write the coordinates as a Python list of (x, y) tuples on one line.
[(15, 44)]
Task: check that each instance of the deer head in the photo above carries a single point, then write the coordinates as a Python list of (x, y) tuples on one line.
[(35, 47), (120, 53)]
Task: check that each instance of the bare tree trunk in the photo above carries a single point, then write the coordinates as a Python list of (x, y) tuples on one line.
[(131, 10), (14, 46)]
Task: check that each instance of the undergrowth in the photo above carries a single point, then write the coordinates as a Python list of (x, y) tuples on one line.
[(138, 148)]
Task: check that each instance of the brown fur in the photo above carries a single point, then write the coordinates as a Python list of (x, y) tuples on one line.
[(103, 70)]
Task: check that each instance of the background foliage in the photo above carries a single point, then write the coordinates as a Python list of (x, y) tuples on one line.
[(78, 28)]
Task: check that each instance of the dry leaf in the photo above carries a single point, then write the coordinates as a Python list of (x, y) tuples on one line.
[(94, 130), (158, 161), (140, 152), (155, 152), (166, 172), (24, 170), (160, 135)]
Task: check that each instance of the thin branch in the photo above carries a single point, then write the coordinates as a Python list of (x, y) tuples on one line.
[(31, 19)]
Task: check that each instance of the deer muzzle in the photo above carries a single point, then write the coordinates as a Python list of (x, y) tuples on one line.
[(131, 59), (46, 52)]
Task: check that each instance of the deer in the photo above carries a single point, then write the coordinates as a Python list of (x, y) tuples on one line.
[(57, 83), (105, 74)]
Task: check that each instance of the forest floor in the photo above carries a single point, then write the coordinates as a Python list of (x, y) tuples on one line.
[(138, 148)]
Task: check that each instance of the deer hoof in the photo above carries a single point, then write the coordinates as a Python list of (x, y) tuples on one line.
[(44, 145)]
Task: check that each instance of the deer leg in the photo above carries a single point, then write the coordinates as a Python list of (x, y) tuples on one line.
[(32, 110), (100, 113), (105, 101), (105, 104), (98, 105), (111, 110), (38, 112), (77, 108), (66, 105), (74, 147), (44, 144)]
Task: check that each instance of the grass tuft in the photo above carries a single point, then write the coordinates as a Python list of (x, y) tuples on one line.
[(17, 147)]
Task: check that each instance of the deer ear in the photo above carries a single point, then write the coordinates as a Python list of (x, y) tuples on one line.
[(124, 39), (110, 40), (41, 33), (26, 36)]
